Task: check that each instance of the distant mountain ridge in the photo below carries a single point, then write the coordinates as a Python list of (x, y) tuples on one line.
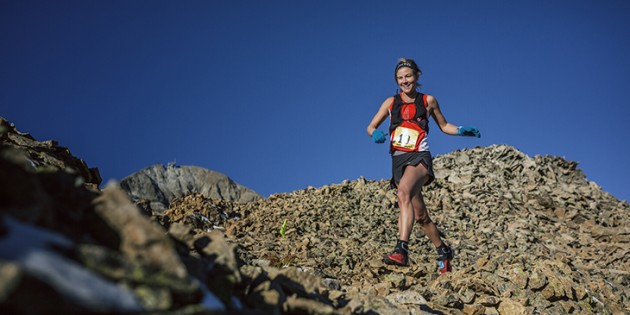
[(160, 185)]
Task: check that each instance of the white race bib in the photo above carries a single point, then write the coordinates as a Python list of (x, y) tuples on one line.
[(405, 138)]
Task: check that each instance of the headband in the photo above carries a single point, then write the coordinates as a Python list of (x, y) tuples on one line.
[(404, 64)]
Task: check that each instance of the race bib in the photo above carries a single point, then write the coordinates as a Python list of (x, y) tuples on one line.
[(405, 138)]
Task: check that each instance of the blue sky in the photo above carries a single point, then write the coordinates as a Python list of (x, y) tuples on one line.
[(278, 94)]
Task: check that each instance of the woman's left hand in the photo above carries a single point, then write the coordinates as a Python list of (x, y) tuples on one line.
[(468, 131)]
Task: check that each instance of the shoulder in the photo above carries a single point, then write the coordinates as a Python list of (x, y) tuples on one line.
[(388, 102), (389, 99), (431, 101)]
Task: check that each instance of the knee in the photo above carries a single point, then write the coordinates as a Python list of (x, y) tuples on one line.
[(404, 195), (423, 217)]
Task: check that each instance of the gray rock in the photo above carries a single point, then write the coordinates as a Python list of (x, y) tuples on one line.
[(407, 297)]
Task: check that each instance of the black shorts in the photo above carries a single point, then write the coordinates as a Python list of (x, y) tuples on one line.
[(399, 162)]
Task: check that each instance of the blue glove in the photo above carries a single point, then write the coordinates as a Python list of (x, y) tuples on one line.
[(468, 131), (378, 136)]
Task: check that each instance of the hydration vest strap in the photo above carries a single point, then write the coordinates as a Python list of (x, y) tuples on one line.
[(398, 99)]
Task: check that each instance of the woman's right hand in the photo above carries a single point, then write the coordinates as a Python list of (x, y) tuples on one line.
[(378, 136)]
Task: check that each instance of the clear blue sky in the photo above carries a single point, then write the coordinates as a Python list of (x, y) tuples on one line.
[(278, 94)]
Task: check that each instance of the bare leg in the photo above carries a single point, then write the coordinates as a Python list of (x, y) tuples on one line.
[(410, 185), (422, 217)]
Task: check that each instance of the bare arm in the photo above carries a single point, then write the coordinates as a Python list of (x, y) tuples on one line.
[(434, 109), (381, 115)]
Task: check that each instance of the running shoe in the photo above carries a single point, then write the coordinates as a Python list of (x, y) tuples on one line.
[(445, 255), (397, 258)]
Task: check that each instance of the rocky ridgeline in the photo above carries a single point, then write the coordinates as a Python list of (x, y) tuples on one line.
[(532, 235), (31, 154)]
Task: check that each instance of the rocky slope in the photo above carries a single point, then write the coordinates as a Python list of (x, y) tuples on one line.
[(532, 235), (158, 185)]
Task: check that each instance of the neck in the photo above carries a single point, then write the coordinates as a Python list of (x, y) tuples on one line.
[(411, 95)]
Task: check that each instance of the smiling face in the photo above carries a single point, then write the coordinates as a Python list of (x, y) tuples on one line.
[(406, 79)]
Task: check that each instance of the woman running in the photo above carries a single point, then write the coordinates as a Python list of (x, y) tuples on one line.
[(412, 166)]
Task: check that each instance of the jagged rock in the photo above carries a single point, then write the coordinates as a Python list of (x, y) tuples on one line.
[(509, 306), (140, 240), (160, 185), (474, 309), (23, 149), (53, 199), (407, 297), (297, 305)]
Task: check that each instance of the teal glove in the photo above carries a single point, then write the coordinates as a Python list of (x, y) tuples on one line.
[(378, 136), (468, 131)]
